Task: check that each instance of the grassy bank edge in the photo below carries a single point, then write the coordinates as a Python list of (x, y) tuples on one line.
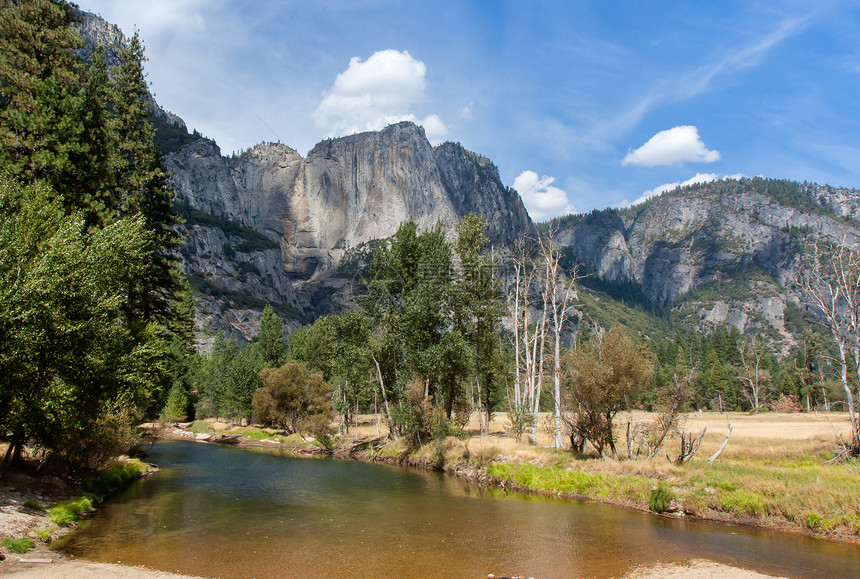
[(796, 494)]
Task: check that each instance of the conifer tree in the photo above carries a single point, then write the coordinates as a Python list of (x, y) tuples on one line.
[(270, 338), (41, 103), (141, 186)]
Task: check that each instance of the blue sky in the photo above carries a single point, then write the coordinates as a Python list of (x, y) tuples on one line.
[(581, 105)]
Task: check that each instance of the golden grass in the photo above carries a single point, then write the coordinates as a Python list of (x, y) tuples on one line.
[(773, 470)]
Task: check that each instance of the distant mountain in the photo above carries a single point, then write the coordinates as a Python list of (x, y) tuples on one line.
[(716, 254), (270, 226)]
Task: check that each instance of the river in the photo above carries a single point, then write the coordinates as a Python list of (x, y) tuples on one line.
[(230, 513)]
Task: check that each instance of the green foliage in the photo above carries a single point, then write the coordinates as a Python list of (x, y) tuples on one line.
[(270, 338), (605, 375), (68, 362), (661, 496), (176, 408), (294, 399), (19, 546)]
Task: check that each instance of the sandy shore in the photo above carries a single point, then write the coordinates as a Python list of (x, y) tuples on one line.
[(67, 569)]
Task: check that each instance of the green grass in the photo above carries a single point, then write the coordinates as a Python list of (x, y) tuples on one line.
[(260, 435), (118, 475), (201, 426), (18, 546), (66, 513), (745, 503), (547, 479), (45, 534), (661, 496)]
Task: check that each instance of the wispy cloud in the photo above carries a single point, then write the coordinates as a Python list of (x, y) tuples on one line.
[(687, 85)]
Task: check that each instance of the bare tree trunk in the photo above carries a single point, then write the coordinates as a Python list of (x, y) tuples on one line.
[(384, 398), (717, 454)]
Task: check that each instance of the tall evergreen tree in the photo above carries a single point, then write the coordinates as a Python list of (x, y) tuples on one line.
[(270, 338), (41, 106), (141, 186)]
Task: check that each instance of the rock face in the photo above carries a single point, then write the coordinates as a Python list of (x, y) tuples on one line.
[(721, 253), (96, 32), (314, 211)]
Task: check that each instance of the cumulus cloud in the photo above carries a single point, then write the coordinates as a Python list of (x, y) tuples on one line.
[(676, 145), (542, 200), (371, 94), (696, 179)]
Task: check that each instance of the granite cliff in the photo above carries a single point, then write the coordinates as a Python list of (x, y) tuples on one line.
[(718, 254), (311, 217)]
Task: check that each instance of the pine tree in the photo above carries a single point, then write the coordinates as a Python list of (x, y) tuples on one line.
[(270, 338), (41, 106), (141, 186)]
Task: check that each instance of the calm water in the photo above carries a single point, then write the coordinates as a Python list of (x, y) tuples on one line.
[(224, 512)]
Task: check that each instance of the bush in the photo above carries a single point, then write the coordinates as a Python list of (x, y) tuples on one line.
[(33, 505), (294, 399), (661, 497), (18, 546)]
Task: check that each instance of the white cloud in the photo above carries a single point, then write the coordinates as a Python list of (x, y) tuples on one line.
[(542, 200), (154, 17), (676, 145), (372, 94), (697, 178)]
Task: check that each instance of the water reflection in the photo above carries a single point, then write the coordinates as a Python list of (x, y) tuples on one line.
[(223, 512)]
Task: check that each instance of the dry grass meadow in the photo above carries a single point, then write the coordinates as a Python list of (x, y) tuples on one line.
[(774, 471)]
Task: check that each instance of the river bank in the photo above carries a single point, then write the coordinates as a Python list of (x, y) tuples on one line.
[(765, 444), (774, 472)]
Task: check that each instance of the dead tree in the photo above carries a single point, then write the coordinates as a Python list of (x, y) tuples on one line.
[(831, 282), (717, 454), (754, 377), (668, 420), (689, 446)]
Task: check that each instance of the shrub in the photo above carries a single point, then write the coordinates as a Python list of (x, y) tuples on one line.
[(661, 497), (295, 399), (33, 505), (18, 546)]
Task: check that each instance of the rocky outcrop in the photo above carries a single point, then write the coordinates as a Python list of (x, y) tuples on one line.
[(473, 185), (739, 240), (95, 32), (315, 212)]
